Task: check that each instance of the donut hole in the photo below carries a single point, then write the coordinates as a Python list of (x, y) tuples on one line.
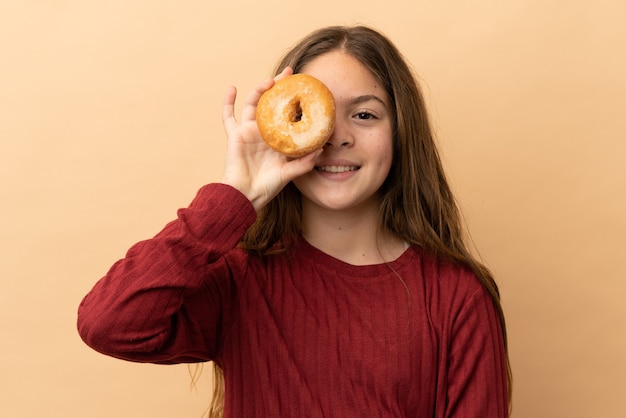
[(295, 110)]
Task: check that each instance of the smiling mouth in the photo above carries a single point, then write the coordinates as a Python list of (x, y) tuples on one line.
[(336, 168)]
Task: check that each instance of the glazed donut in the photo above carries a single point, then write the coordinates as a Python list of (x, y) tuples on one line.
[(297, 115)]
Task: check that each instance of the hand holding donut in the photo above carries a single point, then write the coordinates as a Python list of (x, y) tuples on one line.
[(251, 166)]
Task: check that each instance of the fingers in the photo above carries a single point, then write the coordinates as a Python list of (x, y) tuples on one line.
[(286, 72), (299, 166), (249, 109), (228, 111)]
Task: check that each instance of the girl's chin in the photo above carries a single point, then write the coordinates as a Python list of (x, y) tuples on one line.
[(341, 202)]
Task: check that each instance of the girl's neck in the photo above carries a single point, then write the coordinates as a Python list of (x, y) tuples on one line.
[(353, 236)]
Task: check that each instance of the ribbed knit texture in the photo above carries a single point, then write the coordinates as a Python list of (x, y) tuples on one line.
[(301, 334)]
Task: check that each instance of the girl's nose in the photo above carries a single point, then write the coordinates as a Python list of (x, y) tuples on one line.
[(340, 137)]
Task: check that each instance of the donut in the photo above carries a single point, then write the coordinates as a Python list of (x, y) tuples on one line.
[(297, 115)]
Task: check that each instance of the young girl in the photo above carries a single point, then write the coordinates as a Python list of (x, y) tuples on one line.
[(338, 284)]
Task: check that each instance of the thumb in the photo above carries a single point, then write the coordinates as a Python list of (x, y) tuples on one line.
[(297, 167)]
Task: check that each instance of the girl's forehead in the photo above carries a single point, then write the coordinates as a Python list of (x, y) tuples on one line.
[(345, 76)]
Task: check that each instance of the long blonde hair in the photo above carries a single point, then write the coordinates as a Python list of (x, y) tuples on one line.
[(417, 202)]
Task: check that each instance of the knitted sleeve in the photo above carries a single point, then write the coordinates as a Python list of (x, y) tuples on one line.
[(164, 301), (476, 375)]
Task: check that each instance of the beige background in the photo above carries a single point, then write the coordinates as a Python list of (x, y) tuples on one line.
[(110, 121)]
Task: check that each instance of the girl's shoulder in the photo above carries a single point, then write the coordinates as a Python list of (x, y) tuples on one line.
[(443, 278)]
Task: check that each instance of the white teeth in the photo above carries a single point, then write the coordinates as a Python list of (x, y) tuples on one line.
[(336, 169)]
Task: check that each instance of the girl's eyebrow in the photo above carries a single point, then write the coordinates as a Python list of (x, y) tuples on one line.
[(365, 98)]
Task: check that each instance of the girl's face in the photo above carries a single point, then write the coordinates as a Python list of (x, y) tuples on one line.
[(358, 155)]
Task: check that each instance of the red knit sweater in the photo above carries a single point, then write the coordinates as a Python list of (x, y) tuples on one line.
[(301, 334)]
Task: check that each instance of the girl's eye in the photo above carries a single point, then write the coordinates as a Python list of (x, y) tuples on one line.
[(364, 115)]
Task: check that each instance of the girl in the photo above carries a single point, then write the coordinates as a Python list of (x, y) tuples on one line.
[(337, 284)]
